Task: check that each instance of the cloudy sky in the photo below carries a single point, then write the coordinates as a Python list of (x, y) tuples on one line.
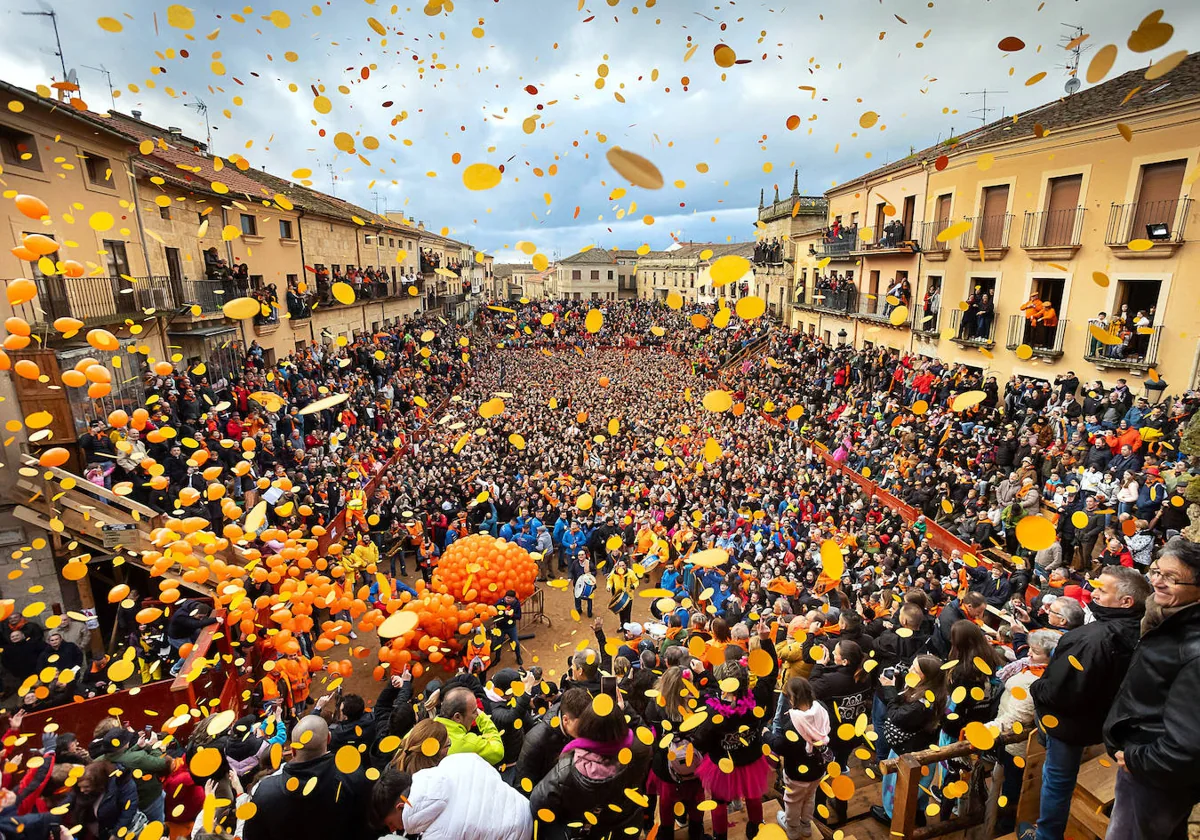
[(448, 87)]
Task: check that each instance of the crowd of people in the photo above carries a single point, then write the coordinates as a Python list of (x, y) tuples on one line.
[(797, 626)]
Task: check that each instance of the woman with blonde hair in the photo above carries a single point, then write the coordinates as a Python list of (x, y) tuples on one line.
[(417, 751)]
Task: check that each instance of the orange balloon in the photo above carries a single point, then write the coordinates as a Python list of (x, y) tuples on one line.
[(16, 342), (149, 615), (118, 419), (99, 389), (21, 290), (164, 368), (27, 369), (118, 593), (55, 457), (31, 206), (74, 379), (103, 340), (72, 268), (5, 361), (98, 373), (17, 326), (39, 244), (140, 418)]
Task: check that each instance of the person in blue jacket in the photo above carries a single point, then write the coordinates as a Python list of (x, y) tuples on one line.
[(561, 526), (574, 543), (525, 539)]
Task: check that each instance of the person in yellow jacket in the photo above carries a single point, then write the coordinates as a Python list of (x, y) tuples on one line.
[(356, 509), (621, 583)]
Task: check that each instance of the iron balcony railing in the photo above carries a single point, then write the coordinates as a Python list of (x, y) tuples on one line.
[(927, 233), (1127, 347), (899, 237), (926, 321), (840, 301), (878, 308), (1043, 340), (98, 299), (992, 231), (1053, 228), (973, 328), (1157, 221), (838, 247)]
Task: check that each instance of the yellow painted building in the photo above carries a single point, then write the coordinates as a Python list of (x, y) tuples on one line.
[(1047, 202)]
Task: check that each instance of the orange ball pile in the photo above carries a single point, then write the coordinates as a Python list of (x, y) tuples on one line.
[(443, 628), (481, 568)]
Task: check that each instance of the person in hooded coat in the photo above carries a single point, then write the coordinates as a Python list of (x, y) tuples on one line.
[(590, 777)]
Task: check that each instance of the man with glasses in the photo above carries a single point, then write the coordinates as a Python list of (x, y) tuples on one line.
[(1153, 729), (1074, 694)]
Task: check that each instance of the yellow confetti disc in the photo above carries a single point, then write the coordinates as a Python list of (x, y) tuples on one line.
[(750, 307), (979, 736), (239, 309), (968, 399), (481, 176), (343, 293), (602, 704), (1036, 533), (718, 401), (205, 762), (594, 320), (348, 759), (584, 502)]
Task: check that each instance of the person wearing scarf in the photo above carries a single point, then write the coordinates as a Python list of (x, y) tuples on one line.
[(589, 776)]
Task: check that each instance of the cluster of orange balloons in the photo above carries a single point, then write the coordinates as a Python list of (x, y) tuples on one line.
[(441, 631), (481, 568)]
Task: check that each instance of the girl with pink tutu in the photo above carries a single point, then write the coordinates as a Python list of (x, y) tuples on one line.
[(733, 764)]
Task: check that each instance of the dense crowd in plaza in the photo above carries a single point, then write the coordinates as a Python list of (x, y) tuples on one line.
[(833, 630)]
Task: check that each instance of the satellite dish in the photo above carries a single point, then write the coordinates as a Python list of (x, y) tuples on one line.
[(1073, 84), (73, 76)]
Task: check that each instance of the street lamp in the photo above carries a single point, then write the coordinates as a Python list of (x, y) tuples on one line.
[(842, 336), (1155, 388)]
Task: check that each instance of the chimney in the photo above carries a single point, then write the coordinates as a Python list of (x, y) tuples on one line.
[(174, 131), (137, 115), (420, 226)]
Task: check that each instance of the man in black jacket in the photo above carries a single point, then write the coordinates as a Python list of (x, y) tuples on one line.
[(358, 726), (310, 798), (971, 607), (510, 711), (1153, 729), (1074, 694)]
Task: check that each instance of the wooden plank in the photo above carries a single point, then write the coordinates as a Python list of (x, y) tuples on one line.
[(94, 489), (905, 805), (1030, 803), (1098, 780)]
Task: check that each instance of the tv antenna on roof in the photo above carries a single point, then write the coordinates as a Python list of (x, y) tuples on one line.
[(46, 11), (1073, 43), (108, 78), (984, 110), (200, 106)]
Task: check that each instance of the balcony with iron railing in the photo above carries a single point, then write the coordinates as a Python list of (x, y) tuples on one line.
[(926, 322), (1162, 223), (1053, 234), (97, 300), (895, 237), (1044, 341), (841, 247), (972, 329), (926, 234), (987, 238), (886, 309), (835, 302), (1123, 349)]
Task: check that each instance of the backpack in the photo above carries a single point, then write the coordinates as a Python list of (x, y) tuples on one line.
[(683, 759)]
